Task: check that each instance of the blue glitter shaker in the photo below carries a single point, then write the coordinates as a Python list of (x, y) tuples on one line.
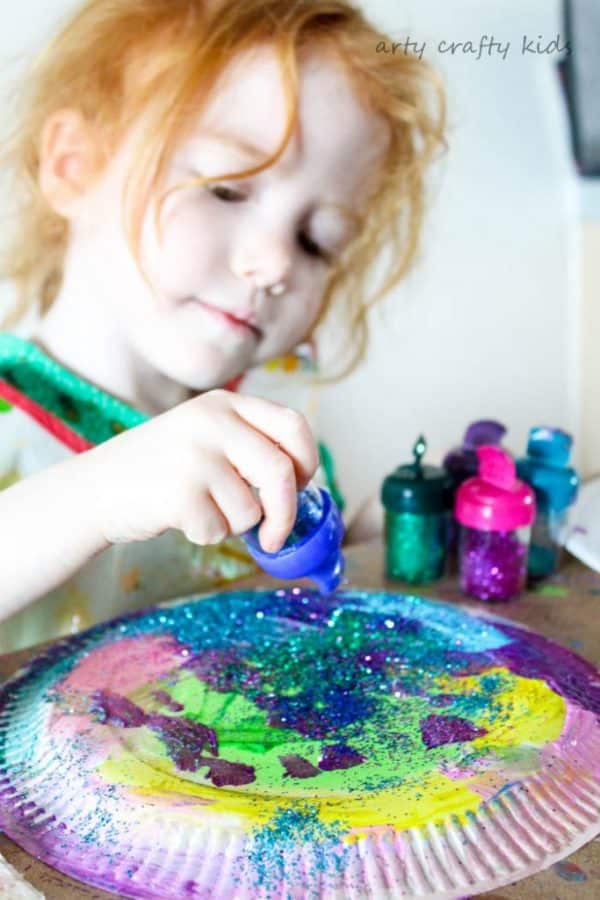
[(312, 549), (556, 485)]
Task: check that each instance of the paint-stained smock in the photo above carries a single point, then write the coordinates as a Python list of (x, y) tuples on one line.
[(47, 414)]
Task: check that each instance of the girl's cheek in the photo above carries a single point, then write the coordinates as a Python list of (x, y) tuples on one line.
[(315, 291), (181, 218), (190, 250), (304, 309)]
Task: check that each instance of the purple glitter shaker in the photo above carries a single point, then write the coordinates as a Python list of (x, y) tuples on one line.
[(495, 511), (313, 548), (462, 463)]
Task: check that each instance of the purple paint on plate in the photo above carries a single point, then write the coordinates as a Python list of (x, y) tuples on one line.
[(339, 756), (438, 730), (298, 767), (537, 657)]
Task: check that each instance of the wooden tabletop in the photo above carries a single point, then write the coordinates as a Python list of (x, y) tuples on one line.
[(565, 608)]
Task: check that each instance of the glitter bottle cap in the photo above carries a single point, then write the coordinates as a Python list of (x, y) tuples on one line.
[(316, 554), (495, 500), (545, 469), (462, 462), (417, 488)]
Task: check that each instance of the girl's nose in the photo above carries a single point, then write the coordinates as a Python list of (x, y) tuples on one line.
[(263, 260)]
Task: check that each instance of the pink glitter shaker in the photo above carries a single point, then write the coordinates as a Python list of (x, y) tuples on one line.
[(495, 511)]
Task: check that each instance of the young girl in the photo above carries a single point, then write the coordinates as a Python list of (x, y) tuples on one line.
[(206, 184)]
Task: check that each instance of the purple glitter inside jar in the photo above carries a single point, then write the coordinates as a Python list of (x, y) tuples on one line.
[(493, 564)]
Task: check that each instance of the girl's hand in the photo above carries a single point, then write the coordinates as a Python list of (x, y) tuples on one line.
[(194, 467)]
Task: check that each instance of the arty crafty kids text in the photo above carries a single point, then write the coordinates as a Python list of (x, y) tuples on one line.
[(484, 47)]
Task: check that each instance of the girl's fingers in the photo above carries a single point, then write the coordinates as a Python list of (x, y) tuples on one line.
[(269, 469), (203, 522), (234, 498), (284, 427)]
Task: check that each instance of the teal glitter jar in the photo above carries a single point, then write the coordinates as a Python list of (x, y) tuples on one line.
[(418, 502), (556, 484)]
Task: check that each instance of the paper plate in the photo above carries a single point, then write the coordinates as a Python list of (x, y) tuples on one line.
[(583, 539), (277, 744)]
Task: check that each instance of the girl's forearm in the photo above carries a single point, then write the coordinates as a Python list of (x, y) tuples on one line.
[(47, 532)]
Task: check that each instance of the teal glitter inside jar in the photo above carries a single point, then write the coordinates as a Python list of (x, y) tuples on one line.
[(556, 484), (417, 501)]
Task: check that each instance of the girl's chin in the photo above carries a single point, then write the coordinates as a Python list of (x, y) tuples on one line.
[(214, 372)]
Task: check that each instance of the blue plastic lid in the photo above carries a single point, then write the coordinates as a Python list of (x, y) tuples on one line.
[(314, 548), (545, 468), (551, 445)]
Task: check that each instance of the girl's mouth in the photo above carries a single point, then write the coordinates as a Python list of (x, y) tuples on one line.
[(235, 322)]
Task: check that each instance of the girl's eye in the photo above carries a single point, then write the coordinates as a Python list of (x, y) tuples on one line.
[(228, 195), (222, 192), (313, 249)]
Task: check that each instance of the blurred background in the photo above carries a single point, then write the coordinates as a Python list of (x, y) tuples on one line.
[(500, 318)]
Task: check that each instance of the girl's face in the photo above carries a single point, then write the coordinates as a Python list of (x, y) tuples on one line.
[(224, 244)]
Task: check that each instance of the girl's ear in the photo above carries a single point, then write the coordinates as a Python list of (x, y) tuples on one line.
[(68, 161)]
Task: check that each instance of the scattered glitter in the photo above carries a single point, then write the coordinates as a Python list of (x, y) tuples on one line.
[(291, 721), (288, 831)]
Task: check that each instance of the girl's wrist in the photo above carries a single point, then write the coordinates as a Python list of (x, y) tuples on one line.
[(83, 492), (49, 511)]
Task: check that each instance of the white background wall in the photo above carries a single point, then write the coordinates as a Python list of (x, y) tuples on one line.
[(487, 325)]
